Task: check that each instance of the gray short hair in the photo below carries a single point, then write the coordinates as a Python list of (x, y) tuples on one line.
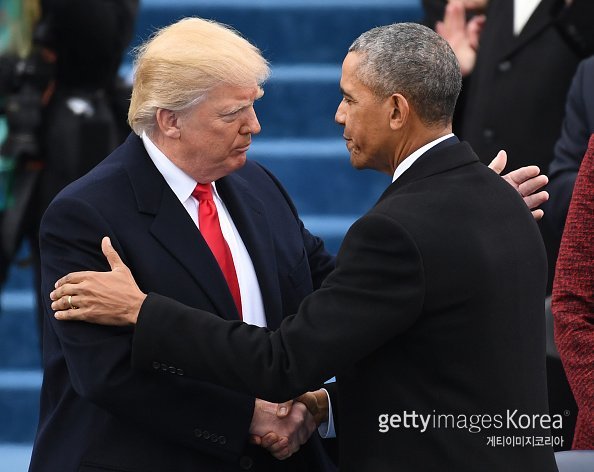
[(412, 60)]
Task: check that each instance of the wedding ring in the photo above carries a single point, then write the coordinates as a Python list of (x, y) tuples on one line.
[(72, 307)]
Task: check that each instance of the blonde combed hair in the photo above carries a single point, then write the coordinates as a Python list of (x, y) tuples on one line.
[(180, 63)]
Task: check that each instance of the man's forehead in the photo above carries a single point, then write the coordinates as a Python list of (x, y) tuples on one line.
[(233, 93)]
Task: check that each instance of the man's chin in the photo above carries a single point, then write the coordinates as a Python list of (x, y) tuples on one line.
[(357, 162)]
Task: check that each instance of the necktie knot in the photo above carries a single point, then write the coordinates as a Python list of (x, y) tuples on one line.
[(202, 192)]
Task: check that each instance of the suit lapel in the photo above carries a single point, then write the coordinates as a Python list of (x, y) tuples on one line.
[(540, 19), (175, 230), (249, 217)]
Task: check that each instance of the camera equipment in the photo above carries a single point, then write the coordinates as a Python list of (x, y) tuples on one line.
[(25, 84)]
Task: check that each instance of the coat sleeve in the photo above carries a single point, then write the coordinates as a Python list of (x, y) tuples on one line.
[(375, 292), (573, 300), (98, 358)]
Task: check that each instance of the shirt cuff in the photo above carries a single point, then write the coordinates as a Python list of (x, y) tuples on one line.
[(326, 429)]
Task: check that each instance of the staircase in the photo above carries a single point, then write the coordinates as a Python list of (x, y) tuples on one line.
[(305, 42)]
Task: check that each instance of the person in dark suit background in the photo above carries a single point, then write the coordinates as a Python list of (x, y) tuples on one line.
[(193, 117), (435, 306), (578, 126), (520, 71)]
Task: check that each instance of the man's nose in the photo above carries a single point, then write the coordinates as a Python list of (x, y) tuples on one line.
[(340, 115), (252, 126)]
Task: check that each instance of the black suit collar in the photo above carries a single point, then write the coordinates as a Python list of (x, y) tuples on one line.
[(445, 156)]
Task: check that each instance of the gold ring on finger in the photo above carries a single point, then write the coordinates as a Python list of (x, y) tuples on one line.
[(72, 307)]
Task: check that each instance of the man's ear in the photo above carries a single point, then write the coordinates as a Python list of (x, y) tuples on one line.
[(399, 111), (169, 123)]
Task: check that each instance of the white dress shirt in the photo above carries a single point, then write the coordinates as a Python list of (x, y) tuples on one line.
[(411, 159), (183, 185), (523, 10)]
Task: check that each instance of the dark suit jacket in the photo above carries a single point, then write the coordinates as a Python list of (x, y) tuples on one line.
[(99, 414), (436, 306), (578, 125), (515, 97)]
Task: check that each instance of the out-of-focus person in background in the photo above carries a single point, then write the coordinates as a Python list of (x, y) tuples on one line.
[(578, 125), (519, 60), (573, 300), (60, 92)]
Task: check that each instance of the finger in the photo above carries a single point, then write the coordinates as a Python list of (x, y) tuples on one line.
[(269, 439), (255, 440), (64, 291), (283, 409), (279, 447), (70, 315), (499, 162), (73, 278), (65, 302), (523, 174), (283, 455), (533, 185), (537, 214), (536, 200), (455, 16), (113, 258), (474, 29)]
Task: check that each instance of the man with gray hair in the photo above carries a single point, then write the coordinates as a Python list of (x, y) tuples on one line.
[(432, 320), (235, 247)]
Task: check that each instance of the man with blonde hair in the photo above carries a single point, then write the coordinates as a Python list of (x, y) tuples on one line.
[(200, 224)]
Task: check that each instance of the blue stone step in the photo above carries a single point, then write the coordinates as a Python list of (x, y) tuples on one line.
[(15, 457), (19, 273), (318, 175), (19, 405), (285, 30), (300, 101), (19, 332)]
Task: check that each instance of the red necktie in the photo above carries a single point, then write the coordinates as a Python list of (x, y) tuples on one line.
[(208, 220)]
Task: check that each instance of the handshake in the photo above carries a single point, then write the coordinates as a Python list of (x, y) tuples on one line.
[(283, 428)]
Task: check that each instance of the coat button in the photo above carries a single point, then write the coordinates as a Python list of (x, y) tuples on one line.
[(198, 433), (205, 434), (222, 440), (504, 66), (246, 463), (172, 369), (214, 438), (164, 367), (488, 134), (180, 372), (156, 365)]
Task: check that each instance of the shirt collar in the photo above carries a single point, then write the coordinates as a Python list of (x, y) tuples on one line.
[(410, 160), (181, 183)]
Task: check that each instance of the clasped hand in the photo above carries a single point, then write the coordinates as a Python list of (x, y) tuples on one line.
[(282, 429)]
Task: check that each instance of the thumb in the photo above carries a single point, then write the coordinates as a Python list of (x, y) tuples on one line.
[(110, 254), (283, 409), (498, 164)]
